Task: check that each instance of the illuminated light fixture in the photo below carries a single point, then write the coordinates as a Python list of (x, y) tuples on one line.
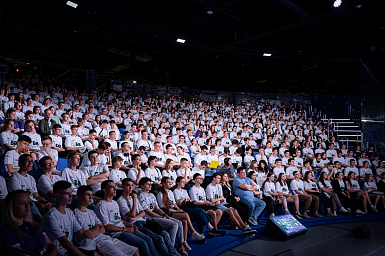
[(266, 54), (134, 82), (337, 3), (180, 40), (210, 11), (358, 6), (72, 4)]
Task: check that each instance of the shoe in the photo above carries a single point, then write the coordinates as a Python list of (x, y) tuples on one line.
[(252, 221), (272, 215), (316, 214), (358, 211), (335, 214), (249, 232), (299, 214), (343, 209), (182, 251), (197, 236), (298, 217), (330, 214), (287, 211), (373, 209), (304, 215), (186, 246)]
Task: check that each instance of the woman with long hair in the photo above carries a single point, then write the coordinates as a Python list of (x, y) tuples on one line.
[(262, 169), (327, 188), (312, 189), (281, 186), (8, 137), (19, 230), (167, 203), (371, 186), (270, 195), (355, 191), (169, 171)]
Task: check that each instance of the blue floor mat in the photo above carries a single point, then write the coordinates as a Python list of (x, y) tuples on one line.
[(217, 245)]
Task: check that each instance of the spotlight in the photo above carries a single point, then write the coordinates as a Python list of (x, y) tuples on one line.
[(17, 70), (134, 82), (266, 54), (210, 11), (180, 40), (337, 3), (72, 4)]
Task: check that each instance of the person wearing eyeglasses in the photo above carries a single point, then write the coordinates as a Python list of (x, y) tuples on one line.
[(46, 180), (22, 180), (47, 150)]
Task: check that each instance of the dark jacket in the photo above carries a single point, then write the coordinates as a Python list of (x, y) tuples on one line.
[(44, 127)]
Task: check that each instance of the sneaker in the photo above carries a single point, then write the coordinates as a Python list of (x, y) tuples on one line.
[(182, 251), (358, 211), (330, 214), (304, 215), (186, 246), (197, 236), (298, 217), (335, 214), (316, 214), (287, 211), (272, 215), (249, 232), (299, 214), (252, 221), (373, 209), (343, 209)]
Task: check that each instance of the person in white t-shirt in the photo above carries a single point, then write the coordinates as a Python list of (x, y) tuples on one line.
[(46, 180), (35, 137), (112, 140), (202, 156), (298, 189), (281, 186), (95, 172), (158, 153), (11, 160), (327, 188), (60, 223), (47, 150), (116, 175), (94, 228), (74, 142), (8, 137), (270, 195)]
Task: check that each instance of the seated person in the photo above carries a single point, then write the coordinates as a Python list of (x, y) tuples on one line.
[(19, 230), (95, 172), (112, 140), (22, 180), (11, 159), (46, 180), (57, 140), (60, 223), (132, 212), (102, 147), (74, 142), (35, 137), (136, 172), (47, 150), (125, 155), (108, 213), (8, 137), (94, 228)]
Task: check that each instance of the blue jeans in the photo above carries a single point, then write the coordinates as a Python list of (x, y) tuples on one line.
[(256, 206), (139, 240), (163, 241)]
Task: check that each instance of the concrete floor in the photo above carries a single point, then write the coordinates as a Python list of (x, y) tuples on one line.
[(335, 239)]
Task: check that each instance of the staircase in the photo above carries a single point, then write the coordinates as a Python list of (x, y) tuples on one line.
[(347, 132)]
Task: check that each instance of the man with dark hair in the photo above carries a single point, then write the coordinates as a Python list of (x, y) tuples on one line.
[(11, 159), (107, 211), (102, 147), (46, 124), (60, 223), (244, 188), (94, 228)]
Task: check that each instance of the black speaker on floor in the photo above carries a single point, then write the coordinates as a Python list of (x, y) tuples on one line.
[(361, 231), (284, 227), (285, 253)]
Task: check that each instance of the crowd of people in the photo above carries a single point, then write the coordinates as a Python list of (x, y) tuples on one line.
[(140, 171)]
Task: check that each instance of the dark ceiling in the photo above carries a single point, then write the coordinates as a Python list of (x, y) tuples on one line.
[(315, 47)]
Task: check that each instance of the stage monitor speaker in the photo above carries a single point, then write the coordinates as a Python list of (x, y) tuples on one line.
[(285, 253), (284, 227), (361, 231)]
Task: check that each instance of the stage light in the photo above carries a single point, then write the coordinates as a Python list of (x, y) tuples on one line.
[(72, 4), (180, 40), (210, 11), (358, 6), (134, 82), (17, 70), (266, 54), (337, 3)]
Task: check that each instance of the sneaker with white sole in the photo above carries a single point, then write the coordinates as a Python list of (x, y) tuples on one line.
[(287, 211), (343, 209), (373, 209), (182, 251), (358, 211), (252, 221), (197, 236), (186, 246)]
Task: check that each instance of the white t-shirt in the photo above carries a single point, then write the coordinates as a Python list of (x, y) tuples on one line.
[(125, 205), (199, 158), (269, 187), (310, 185), (12, 157), (214, 192), (117, 175), (90, 171), (277, 170), (126, 158), (108, 213), (35, 140), (45, 184), (354, 186), (296, 185), (73, 142), (28, 184), (247, 159), (147, 201), (281, 188), (171, 198), (181, 172), (42, 153), (3, 188), (364, 171), (76, 179), (57, 225), (57, 142), (171, 175), (159, 155), (349, 169), (9, 138), (197, 194), (180, 194), (133, 175), (290, 170), (154, 175), (236, 160)]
